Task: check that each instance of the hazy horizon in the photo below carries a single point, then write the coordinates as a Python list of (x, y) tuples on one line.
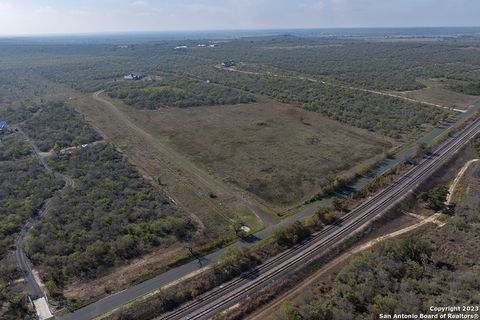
[(75, 17), (232, 31)]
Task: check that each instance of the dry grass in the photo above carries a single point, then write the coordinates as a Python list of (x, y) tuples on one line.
[(214, 215), (156, 163), (123, 276), (398, 227), (436, 93), (452, 245), (280, 153), (456, 242)]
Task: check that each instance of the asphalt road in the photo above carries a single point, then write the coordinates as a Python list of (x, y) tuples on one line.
[(33, 289), (231, 293), (118, 299)]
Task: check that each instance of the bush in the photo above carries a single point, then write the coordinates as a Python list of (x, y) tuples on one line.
[(434, 198), (292, 234)]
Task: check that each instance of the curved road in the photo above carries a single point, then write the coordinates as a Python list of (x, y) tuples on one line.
[(381, 93), (118, 299), (233, 292), (33, 289), (205, 179)]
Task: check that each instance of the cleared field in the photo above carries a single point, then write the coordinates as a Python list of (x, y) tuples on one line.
[(280, 153), (436, 92), (450, 262)]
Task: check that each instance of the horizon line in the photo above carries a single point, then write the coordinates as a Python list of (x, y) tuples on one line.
[(112, 33)]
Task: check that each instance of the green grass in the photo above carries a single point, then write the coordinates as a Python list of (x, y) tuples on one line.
[(278, 153)]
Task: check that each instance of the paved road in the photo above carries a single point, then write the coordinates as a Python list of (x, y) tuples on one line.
[(233, 292), (116, 300), (33, 289)]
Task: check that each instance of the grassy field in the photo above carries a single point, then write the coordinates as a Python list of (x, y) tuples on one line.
[(280, 153), (215, 215), (359, 287), (437, 93), (216, 212)]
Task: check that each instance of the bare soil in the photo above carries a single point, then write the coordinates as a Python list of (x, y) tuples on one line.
[(452, 244), (437, 93), (121, 276), (277, 152)]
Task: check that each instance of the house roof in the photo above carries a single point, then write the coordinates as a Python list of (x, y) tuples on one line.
[(3, 124)]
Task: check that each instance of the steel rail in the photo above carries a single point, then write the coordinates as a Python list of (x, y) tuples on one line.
[(369, 209), (306, 254)]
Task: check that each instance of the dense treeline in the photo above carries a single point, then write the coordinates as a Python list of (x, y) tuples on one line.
[(389, 279), (12, 147), (395, 277), (405, 276), (233, 263), (99, 64), (369, 64), (111, 215), (394, 65), (389, 115), (56, 125), (16, 115), (20, 88), (24, 187), (13, 302), (176, 92), (471, 88)]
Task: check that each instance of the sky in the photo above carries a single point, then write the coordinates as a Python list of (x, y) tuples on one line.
[(24, 17)]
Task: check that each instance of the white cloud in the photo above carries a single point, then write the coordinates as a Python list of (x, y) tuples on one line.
[(44, 16)]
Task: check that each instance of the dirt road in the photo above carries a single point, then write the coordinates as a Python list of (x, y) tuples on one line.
[(217, 187), (343, 86)]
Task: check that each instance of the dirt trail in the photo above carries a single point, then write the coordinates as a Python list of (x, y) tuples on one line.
[(185, 164), (342, 86), (270, 309), (33, 284), (453, 186)]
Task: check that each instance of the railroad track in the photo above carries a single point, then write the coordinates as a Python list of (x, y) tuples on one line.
[(232, 292)]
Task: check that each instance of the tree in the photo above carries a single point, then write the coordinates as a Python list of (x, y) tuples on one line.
[(337, 204), (434, 198), (415, 249)]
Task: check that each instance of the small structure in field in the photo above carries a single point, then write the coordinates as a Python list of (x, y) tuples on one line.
[(180, 48), (228, 64), (134, 76), (3, 126)]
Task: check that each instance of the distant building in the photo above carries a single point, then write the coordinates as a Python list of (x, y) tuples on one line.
[(213, 45), (228, 64), (134, 76), (180, 48), (3, 126)]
